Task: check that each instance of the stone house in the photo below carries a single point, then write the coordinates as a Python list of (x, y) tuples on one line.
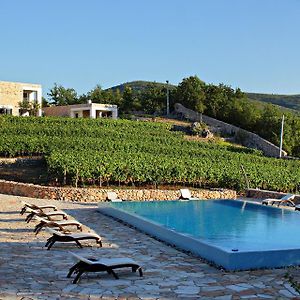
[(86, 110), (12, 93)]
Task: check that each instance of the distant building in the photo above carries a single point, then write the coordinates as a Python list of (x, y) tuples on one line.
[(12, 93), (87, 110)]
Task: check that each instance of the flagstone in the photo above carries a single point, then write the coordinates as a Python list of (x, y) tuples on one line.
[(286, 293), (225, 297), (236, 288), (212, 288), (187, 290), (27, 269), (265, 296)]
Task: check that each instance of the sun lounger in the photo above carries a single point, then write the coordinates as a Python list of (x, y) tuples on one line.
[(102, 265), (185, 194), (287, 199), (48, 215), (55, 224), (113, 197), (36, 207), (58, 236)]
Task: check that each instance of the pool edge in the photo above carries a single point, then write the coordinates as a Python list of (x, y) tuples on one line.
[(231, 261)]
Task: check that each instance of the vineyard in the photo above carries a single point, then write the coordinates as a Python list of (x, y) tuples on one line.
[(121, 152)]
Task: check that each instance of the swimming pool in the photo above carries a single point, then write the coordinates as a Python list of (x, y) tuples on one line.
[(236, 235)]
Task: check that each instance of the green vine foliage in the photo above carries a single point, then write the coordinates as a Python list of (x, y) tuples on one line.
[(103, 151)]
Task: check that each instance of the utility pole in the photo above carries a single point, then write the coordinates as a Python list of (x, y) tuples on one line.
[(168, 102), (281, 137)]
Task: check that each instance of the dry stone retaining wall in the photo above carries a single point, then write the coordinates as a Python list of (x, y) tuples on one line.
[(246, 138), (95, 195)]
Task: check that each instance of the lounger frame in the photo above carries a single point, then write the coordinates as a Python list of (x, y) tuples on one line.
[(83, 267), (45, 223), (42, 214), (36, 207), (66, 238)]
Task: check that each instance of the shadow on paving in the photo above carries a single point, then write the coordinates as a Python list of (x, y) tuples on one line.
[(29, 270), (15, 230), (9, 212), (12, 220)]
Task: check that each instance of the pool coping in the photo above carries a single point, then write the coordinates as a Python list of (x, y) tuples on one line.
[(229, 260)]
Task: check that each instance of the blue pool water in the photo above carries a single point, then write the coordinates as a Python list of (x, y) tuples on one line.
[(224, 223), (234, 234)]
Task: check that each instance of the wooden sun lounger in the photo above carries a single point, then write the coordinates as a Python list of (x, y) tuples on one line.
[(48, 215), (58, 236), (36, 207), (102, 265), (56, 224)]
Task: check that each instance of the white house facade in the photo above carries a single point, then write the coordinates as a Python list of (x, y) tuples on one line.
[(87, 110)]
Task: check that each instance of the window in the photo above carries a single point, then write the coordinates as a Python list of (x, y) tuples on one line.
[(5, 111), (25, 96)]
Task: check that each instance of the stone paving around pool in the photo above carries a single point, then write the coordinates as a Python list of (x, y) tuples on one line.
[(29, 271)]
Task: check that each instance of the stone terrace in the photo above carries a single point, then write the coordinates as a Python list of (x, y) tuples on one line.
[(29, 271)]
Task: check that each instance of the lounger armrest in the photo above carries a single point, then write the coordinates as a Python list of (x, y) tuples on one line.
[(53, 231), (90, 262), (41, 219)]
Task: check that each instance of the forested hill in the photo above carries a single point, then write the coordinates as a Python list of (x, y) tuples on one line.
[(140, 85), (288, 101)]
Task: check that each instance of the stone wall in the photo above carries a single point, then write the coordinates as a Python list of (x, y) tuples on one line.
[(95, 195), (264, 194), (11, 93), (246, 138)]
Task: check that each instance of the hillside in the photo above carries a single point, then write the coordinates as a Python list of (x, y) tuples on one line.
[(286, 101), (139, 85)]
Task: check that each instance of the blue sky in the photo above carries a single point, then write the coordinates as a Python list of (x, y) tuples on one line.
[(251, 44)]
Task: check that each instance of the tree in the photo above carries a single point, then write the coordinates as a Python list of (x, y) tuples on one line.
[(96, 94), (45, 103), (128, 99), (59, 95), (153, 99), (117, 97), (212, 101), (31, 108), (270, 123), (191, 93)]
